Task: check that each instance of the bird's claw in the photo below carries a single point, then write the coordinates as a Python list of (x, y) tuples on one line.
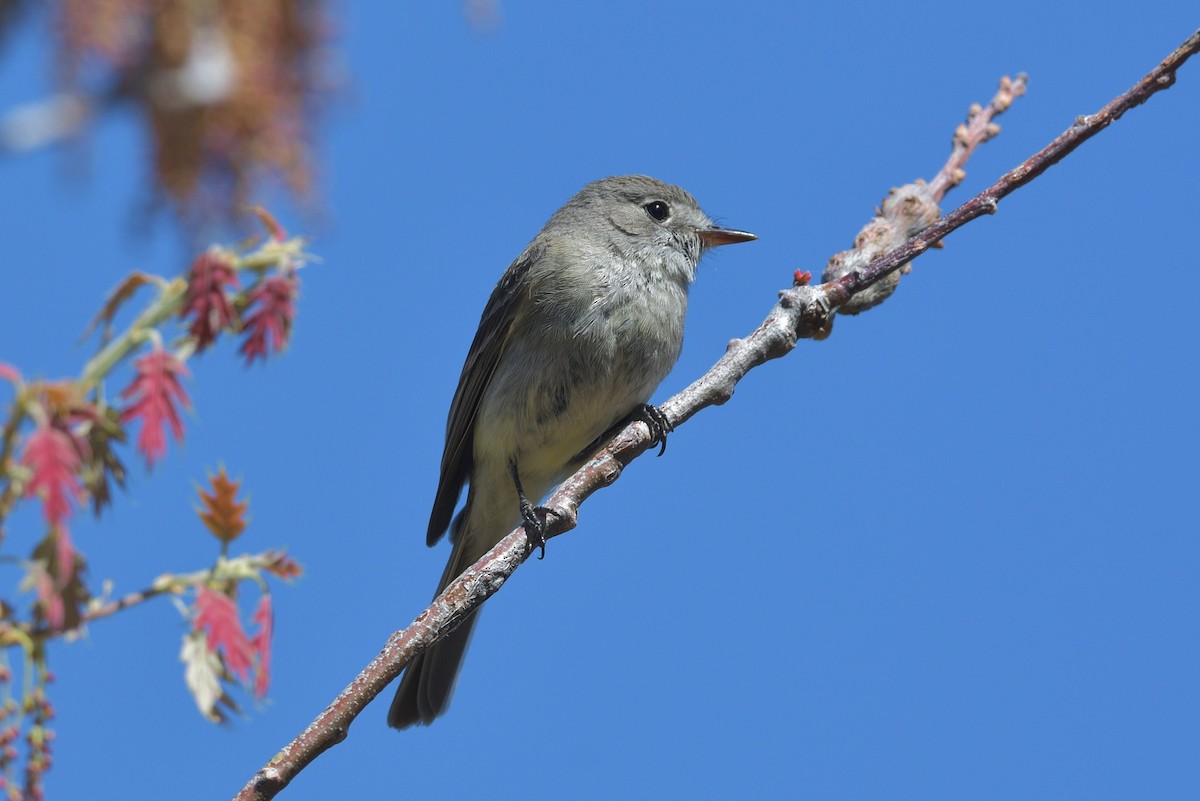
[(657, 422), (534, 519), (535, 524)]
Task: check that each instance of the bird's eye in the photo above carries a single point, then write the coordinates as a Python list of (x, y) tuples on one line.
[(658, 210)]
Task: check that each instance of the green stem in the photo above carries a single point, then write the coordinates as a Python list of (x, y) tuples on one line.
[(164, 308), (170, 302), (7, 443)]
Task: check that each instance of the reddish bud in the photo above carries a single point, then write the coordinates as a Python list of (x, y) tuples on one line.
[(283, 566), (270, 324), (206, 301)]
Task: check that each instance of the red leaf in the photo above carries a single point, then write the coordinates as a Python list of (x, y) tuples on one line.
[(51, 456), (217, 616), (206, 301), (269, 327), (270, 223), (118, 297), (157, 390), (261, 642), (282, 565)]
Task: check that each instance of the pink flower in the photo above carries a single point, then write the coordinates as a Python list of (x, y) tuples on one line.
[(53, 459), (261, 643), (270, 324), (217, 616), (206, 301), (157, 390)]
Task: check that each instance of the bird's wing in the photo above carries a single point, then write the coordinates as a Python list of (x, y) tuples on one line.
[(490, 342)]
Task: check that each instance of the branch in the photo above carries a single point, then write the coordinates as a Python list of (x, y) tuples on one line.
[(245, 566), (978, 129), (986, 202), (170, 301), (802, 312), (911, 208), (26, 634)]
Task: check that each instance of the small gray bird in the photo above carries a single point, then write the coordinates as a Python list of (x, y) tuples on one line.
[(574, 339)]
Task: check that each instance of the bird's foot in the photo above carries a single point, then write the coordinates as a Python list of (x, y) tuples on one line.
[(532, 517), (657, 422)]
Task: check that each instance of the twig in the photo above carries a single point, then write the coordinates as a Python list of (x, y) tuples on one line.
[(170, 301), (802, 312), (243, 566), (974, 132), (26, 635), (106, 609), (1085, 127), (911, 208)]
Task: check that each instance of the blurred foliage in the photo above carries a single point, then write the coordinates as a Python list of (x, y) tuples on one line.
[(227, 90)]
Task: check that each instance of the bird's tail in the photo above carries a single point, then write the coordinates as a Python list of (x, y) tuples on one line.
[(428, 681)]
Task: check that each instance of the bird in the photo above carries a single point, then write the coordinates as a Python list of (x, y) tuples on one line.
[(574, 339)]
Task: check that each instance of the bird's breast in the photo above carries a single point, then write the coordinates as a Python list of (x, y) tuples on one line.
[(580, 363)]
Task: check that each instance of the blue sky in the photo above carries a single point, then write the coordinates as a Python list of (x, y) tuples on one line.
[(951, 552)]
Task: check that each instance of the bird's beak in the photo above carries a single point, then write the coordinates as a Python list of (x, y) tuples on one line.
[(712, 237)]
